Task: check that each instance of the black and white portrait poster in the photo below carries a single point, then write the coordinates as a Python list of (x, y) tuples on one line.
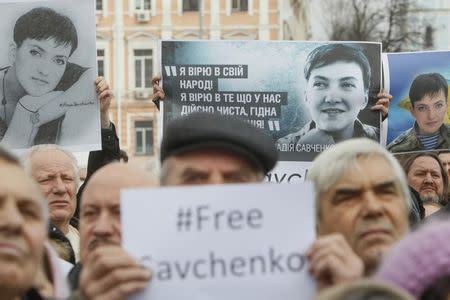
[(47, 73), (308, 95)]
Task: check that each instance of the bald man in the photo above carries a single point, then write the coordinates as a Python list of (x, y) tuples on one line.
[(108, 272)]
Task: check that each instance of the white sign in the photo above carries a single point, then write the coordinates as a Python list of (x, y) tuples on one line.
[(288, 172), (222, 242)]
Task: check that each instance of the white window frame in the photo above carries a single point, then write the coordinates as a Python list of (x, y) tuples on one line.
[(104, 11), (131, 118), (229, 7), (104, 45), (141, 43), (239, 10), (132, 8), (143, 130), (180, 7), (142, 59)]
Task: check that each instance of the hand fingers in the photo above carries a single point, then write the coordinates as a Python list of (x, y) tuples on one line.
[(158, 93), (156, 80), (105, 94), (50, 112), (381, 108), (117, 279), (99, 79), (384, 101), (122, 291), (106, 258), (384, 94), (328, 240), (331, 250), (101, 86), (323, 267)]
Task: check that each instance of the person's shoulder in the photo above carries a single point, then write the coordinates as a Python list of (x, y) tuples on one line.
[(406, 141), (446, 128), (296, 136), (371, 132)]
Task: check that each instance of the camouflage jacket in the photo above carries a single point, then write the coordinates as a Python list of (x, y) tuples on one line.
[(361, 130), (408, 140)]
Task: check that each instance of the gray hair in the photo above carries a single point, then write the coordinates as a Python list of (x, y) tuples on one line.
[(28, 156), (329, 167), (10, 158)]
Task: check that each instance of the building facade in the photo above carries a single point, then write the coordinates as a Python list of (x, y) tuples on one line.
[(128, 32), (434, 19)]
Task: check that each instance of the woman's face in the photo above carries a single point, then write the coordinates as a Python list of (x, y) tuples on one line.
[(40, 65)]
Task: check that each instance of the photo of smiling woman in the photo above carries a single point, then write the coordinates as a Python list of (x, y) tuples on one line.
[(338, 78), (40, 85)]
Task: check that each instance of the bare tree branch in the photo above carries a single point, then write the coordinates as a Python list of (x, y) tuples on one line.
[(386, 21)]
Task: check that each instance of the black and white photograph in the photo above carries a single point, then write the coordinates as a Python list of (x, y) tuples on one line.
[(308, 95), (47, 73)]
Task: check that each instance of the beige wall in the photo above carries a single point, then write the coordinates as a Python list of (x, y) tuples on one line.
[(236, 25)]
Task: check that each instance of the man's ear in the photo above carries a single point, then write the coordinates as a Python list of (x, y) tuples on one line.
[(12, 52)]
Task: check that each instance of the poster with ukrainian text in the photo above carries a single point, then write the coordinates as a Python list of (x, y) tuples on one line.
[(47, 74), (419, 118), (308, 95)]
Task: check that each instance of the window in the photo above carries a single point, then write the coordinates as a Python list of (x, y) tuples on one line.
[(239, 5), (144, 137), (142, 4), (101, 62), (190, 5), (143, 68), (99, 4)]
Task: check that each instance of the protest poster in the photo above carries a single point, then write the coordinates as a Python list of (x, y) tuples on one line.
[(423, 78), (47, 72), (211, 242), (308, 95), (288, 172)]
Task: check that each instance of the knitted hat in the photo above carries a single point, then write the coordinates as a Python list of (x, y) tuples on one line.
[(364, 289), (419, 259)]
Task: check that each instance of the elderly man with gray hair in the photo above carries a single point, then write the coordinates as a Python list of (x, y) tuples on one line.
[(56, 172), (362, 205)]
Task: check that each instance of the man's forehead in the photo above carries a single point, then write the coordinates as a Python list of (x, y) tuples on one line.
[(360, 172), (425, 162), (209, 154), (45, 159), (444, 156), (105, 185)]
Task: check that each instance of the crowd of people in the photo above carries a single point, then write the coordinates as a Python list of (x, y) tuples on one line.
[(381, 228), (381, 219)]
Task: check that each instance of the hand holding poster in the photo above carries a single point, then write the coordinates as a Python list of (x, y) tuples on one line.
[(212, 242), (47, 74)]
